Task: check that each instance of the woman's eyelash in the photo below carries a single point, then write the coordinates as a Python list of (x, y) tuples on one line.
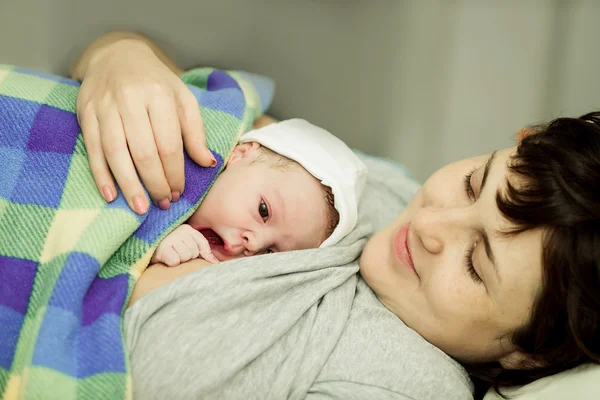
[(467, 182), (470, 267)]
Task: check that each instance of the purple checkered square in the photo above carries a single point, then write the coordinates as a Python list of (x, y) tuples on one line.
[(219, 80), (197, 178), (16, 282), (53, 130), (42, 179), (16, 119), (105, 296)]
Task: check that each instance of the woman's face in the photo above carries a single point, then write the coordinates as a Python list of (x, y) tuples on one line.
[(444, 269)]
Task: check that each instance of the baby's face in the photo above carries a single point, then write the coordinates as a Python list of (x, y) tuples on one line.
[(255, 208)]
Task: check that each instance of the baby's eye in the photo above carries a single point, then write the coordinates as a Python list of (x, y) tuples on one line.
[(263, 210), (269, 251)]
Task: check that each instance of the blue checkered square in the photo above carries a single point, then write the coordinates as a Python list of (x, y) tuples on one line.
[(16, 119), (74, 280), (12, 162), (41, 179)]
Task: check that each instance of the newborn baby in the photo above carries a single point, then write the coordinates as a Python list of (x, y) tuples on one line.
[(287, 186)]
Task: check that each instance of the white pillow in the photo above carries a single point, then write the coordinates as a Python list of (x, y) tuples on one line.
[(581, 383)]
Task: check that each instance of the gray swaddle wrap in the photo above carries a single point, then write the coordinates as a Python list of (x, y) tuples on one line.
[(288, 326)]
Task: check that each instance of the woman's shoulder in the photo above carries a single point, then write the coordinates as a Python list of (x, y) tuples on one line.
[(379, 350)]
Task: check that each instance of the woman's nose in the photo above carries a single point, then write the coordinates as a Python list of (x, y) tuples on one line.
[(436, 227)]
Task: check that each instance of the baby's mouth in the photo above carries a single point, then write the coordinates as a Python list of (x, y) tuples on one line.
[(212, 237)]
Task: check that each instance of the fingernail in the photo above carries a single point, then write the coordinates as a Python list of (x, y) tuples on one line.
[(139, 205), (108, 193), (164, 204), (175, 195), (214, 160)]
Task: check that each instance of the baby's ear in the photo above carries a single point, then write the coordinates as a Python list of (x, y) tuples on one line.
[(242, 151)]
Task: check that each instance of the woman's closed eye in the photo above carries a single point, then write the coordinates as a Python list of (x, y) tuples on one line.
[(468, 186), (263, 210), (469, 264), (469, 255)]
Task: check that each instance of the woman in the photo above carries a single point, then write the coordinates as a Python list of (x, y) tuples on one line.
[(495, 261)]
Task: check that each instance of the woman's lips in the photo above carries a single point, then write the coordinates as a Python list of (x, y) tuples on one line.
[(401, 248)]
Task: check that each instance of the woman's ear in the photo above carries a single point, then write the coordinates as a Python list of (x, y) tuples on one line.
[(243, 151), (523, 133), (520, 360)]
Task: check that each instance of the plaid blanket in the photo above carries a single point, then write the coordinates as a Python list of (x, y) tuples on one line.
[(69, 260)]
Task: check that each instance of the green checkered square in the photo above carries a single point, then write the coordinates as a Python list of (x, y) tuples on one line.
[(127, 255), (80, 181), (63, 96), (45, 279), (3, 372), (89, 388), (23, 230), (104, 236), (217, 123), (197, 77), (27, 87), (50, 384)]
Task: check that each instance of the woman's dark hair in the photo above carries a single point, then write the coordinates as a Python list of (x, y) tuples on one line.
[(555, 176)]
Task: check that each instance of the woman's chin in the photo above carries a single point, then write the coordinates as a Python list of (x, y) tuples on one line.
[(374, 260)]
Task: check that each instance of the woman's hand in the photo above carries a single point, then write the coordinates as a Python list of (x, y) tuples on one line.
[(136, 115)]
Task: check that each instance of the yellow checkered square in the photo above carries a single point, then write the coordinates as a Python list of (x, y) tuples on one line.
[(66, 230)]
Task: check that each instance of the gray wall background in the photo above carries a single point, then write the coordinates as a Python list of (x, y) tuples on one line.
[(423, 82)]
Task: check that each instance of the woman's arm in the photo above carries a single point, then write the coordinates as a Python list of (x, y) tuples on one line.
[(136, 116), (104, 42)]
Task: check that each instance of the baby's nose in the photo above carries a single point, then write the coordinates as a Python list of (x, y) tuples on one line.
[(251, 242)]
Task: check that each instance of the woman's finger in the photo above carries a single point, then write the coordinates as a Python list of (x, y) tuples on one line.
[(119, 160), (192, 127), (167, 136), (98, 165), (142, 148)]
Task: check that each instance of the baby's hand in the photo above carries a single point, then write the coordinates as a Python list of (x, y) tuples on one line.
[(183, 244)]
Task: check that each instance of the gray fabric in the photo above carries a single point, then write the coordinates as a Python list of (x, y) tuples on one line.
[(288, 326)]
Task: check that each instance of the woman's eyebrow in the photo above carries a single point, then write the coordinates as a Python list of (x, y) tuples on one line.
[(488, 166), (486, 239)]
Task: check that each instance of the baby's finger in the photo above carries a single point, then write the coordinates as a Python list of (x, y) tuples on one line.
[(98, 165), (170, 257), (209, 256), (204, 247), (191, 244), (185, 254)]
